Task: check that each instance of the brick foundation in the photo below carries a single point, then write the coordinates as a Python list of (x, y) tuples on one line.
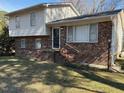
[(45, 53)]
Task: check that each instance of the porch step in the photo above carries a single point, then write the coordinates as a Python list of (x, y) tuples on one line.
[(94, 66), (117, 69), (114, 68), (58, 58)]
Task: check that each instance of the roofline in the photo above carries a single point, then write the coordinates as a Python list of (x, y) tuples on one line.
[(73, 7), (77, 20), (24, 9), (83, 19), (44, 5)]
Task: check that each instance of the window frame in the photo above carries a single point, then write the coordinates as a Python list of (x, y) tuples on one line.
[(96, 33), (32, 15), (21, 43), (36, 43), (74, 28)]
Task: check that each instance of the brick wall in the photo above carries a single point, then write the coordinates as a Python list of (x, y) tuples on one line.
[(96, 53), (45, 53)]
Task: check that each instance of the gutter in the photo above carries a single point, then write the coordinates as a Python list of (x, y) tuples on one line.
[(83, 19)]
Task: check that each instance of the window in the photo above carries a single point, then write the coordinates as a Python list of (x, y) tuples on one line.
[(85, 33), (33, 19), (93, 33), (70, 34), (23, 43), (81, 33), (17, 22), (37, 43)]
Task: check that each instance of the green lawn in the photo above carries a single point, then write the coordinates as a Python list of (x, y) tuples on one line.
[(21, 76)]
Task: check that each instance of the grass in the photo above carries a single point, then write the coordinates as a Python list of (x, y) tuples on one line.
[(120, 62), (22, 76)]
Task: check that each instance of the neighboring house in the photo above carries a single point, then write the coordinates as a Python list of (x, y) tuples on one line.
[(42, 30)]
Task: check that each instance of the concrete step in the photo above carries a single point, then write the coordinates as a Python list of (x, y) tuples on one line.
[(117, 69)]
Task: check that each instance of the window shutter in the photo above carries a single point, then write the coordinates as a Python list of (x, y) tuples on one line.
[(93, 34)]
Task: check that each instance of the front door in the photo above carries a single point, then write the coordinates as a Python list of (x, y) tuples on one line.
[(56, 38)]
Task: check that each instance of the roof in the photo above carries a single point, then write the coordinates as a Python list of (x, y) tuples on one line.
[(88, 16), (44, 5)]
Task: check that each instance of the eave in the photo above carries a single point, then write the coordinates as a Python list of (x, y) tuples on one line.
[(81, 21)]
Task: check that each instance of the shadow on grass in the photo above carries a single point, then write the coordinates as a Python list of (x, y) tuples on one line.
[(16, 75), (92, 76)]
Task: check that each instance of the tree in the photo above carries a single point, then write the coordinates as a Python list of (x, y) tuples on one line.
[(6, 42), (95, 6)]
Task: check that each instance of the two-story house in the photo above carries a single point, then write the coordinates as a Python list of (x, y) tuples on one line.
[(43, 29), (29, 27)]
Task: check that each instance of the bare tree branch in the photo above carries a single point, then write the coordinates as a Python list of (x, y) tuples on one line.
[(94, 6)]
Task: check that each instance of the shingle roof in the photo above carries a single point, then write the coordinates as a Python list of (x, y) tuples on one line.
[(106, 13)]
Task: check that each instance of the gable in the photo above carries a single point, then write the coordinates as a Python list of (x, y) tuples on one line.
[(57, 13), (42, 6)]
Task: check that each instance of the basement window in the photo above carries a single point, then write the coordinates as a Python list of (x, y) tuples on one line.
[(38, 44), (23, 43)]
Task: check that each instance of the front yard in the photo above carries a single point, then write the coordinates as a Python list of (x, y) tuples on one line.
[(21, 76)]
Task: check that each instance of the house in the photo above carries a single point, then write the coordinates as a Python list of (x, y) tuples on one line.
[(45, 29), (28, 26)]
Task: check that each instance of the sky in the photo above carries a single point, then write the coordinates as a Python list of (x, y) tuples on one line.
[(12, 5)]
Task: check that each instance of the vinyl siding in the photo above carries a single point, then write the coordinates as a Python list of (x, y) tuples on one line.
[(53, 14), (25, 28), (43, 16)]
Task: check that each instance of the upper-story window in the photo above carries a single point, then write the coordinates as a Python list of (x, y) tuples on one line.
[(17, 21), (33, 19)]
